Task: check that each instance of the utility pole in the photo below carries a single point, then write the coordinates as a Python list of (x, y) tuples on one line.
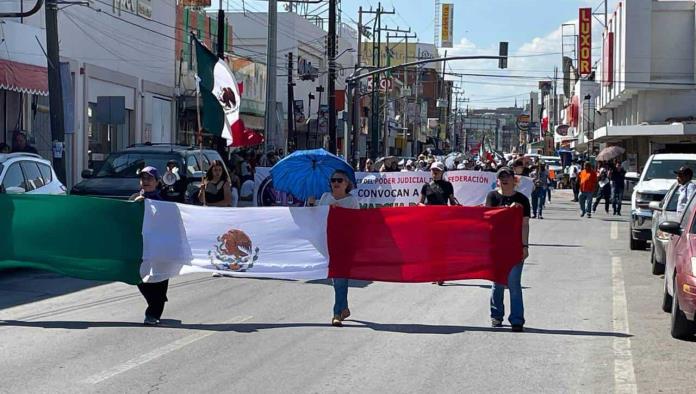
[(271, 73), (291, 102), (220, 143), (377, 61), (443, 94), (331, 86), (405, 35), (55, 90), (355, 99), (221, 32)]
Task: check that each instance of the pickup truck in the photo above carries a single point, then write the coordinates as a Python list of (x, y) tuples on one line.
[(653, 184)]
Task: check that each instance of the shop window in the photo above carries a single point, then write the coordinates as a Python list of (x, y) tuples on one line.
[(105, 139)]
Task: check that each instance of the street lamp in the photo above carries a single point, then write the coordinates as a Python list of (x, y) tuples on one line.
[(351, 50)]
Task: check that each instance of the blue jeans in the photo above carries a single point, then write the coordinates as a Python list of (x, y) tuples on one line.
[(616, 199), (340, 286), (586, 202), (538, 200), (516, 304)]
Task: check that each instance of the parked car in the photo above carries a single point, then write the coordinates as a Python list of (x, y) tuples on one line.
[(653, 184), (680, 273), (118, 176), (665, 210), (28, 173)]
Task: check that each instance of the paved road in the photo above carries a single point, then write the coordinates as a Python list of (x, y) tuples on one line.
[(592, 308)]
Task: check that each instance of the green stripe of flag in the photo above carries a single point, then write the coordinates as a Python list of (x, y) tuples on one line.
[(89, 238), (213, 115)]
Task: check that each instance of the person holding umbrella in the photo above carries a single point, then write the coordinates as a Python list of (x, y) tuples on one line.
[(339, 196), (309, 173)]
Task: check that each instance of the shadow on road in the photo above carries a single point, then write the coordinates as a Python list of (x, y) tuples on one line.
[(23, 286), (448, 284), (556, 245), (359, 284), (348, 324)]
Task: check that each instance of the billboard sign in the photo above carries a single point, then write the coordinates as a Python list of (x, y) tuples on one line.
[(523, 122), (447, 31), (608, 60), (585, 41)]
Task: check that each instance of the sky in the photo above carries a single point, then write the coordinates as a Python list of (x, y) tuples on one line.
[(532, 28)]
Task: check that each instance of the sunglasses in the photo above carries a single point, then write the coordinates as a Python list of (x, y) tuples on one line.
[(336, 180)]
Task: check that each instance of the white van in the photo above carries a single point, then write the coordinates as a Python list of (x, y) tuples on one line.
[(655, 181)]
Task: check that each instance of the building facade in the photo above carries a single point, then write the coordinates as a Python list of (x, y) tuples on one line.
[(306, 41), (112, 49), (647, 74)]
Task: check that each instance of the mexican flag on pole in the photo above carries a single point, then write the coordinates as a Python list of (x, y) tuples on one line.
[(219, 95), (110, 240)]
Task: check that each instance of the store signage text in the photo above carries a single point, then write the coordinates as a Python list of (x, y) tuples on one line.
[(585, 41)]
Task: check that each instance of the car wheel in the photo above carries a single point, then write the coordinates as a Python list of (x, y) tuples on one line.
[(666, 299), (681, 328), (657, 268)]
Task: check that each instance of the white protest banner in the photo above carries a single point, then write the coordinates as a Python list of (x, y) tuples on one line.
[(385, 189)]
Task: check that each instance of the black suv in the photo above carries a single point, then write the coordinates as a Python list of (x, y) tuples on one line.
[(118, 176)]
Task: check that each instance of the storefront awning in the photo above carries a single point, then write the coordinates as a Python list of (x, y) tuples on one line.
[(23, 78), (618, 133)]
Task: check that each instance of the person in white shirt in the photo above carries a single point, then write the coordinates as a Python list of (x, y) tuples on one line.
[(339, 196), (573, 172), (686, 188)]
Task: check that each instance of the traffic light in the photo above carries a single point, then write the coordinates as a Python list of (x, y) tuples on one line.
[(503, 53)]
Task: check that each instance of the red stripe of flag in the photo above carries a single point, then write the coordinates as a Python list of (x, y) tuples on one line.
[(424, 244)]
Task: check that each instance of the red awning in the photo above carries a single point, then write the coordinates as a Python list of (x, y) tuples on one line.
[(23, 78)]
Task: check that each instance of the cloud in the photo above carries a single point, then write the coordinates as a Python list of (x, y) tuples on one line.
[(531, 62)]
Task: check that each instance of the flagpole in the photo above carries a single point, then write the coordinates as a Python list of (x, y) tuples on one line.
[(199, 134)]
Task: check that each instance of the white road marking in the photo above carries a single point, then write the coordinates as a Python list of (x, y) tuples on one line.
[(614, 230), (624, 374), (157, 353)]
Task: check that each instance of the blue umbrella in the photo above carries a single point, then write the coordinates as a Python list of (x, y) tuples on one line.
[(307, 173)]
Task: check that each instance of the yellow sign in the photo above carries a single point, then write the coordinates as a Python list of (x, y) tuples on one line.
[(446, 32), (399, 55)]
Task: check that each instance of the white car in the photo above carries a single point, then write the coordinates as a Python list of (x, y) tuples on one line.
[(657, 178), (28, 173)]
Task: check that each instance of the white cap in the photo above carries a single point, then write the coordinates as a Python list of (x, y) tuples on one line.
[(438, 165)]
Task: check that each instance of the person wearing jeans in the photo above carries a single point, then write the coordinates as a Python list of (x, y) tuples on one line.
[(540, 176), (618, 178), (507, 196), (341, 185), (538, 200), (514, 286), (588, 183)]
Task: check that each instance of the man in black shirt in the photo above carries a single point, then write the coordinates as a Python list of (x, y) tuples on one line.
[(507, 196), (439, 191)]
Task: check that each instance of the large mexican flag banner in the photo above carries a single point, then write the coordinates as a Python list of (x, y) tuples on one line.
[(151, 241)]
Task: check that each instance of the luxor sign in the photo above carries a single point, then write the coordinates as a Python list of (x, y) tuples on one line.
[(585, 41)]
